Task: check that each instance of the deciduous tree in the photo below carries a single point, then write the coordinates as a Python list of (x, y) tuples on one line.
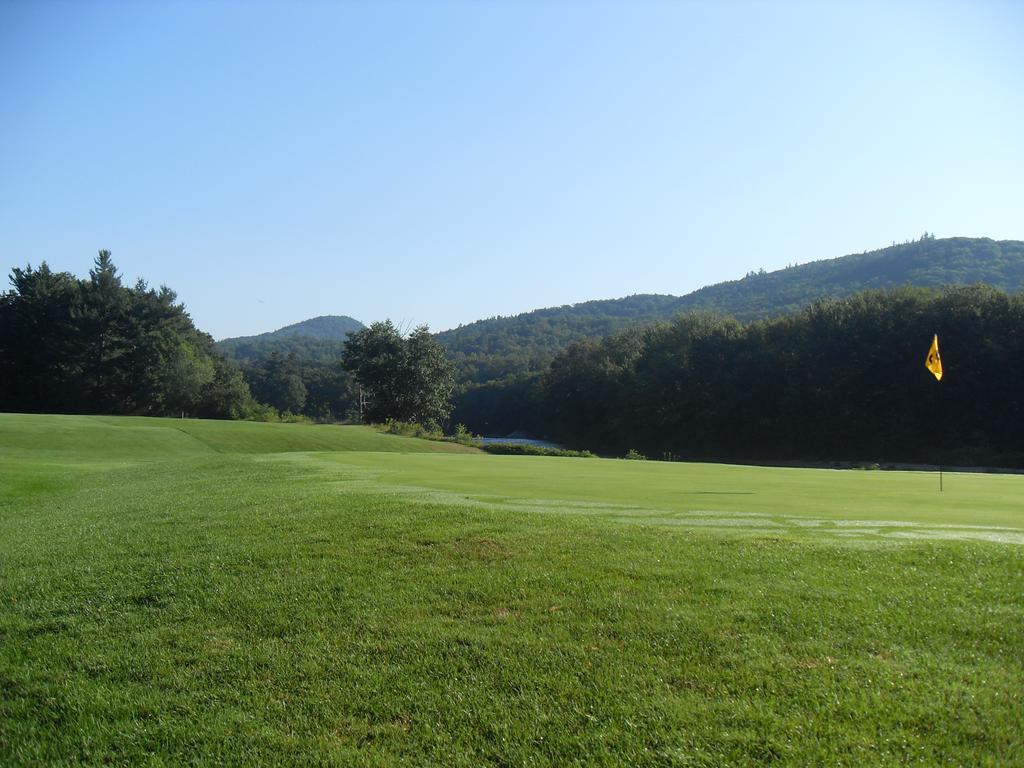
[(403, 378)]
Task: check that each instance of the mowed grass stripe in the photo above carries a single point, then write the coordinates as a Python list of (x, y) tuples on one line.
[(298, 608), (659, 489)]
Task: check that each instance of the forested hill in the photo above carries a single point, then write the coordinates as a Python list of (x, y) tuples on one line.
[(317, 338), (323, 327), (928, 263), (503, 346), (499, 346)]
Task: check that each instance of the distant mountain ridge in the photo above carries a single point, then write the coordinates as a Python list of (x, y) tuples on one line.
[(322, 327), (504, 346), (928, 263), (499, 347), (317, 338)]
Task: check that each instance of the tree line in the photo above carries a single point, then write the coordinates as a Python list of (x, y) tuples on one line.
[(294, 385), (842, 380), (500, 361), (505, 348), (95, 345)]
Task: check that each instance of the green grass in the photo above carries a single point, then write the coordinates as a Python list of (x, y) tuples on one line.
[(844, 503), (184, 592), (75, 438)]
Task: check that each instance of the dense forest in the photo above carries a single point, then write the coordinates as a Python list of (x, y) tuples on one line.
[(296, 369), (295, 385), (844, 380), (95, 345), (499, 361), (503, 346)]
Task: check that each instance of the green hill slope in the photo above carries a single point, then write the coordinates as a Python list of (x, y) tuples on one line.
[(317, 338), (502, 346), (927, 263)]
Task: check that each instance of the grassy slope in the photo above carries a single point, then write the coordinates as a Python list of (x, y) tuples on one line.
[(166, 598), (142, 438)]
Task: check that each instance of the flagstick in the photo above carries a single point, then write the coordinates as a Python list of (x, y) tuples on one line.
[(933, 362)]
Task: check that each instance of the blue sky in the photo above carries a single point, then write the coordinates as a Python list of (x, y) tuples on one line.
[(443, 162)]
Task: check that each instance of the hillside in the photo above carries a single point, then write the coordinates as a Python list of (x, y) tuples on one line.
[(323, 327), (926, 263), (502, 346), (317, 338)]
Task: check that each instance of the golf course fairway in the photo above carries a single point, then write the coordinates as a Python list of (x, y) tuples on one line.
[(198, 592)]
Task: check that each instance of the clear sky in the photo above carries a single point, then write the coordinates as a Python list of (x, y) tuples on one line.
[(442, 162)]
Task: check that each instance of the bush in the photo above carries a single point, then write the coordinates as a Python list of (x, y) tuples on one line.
[(634, 455), (517, 449), (463, 436), (412, 429), (262, 412), (270, 414)]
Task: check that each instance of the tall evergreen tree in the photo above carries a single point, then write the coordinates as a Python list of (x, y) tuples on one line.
[(98, 346)]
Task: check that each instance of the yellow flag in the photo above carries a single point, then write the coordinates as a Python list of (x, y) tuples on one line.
[(933, 362)]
